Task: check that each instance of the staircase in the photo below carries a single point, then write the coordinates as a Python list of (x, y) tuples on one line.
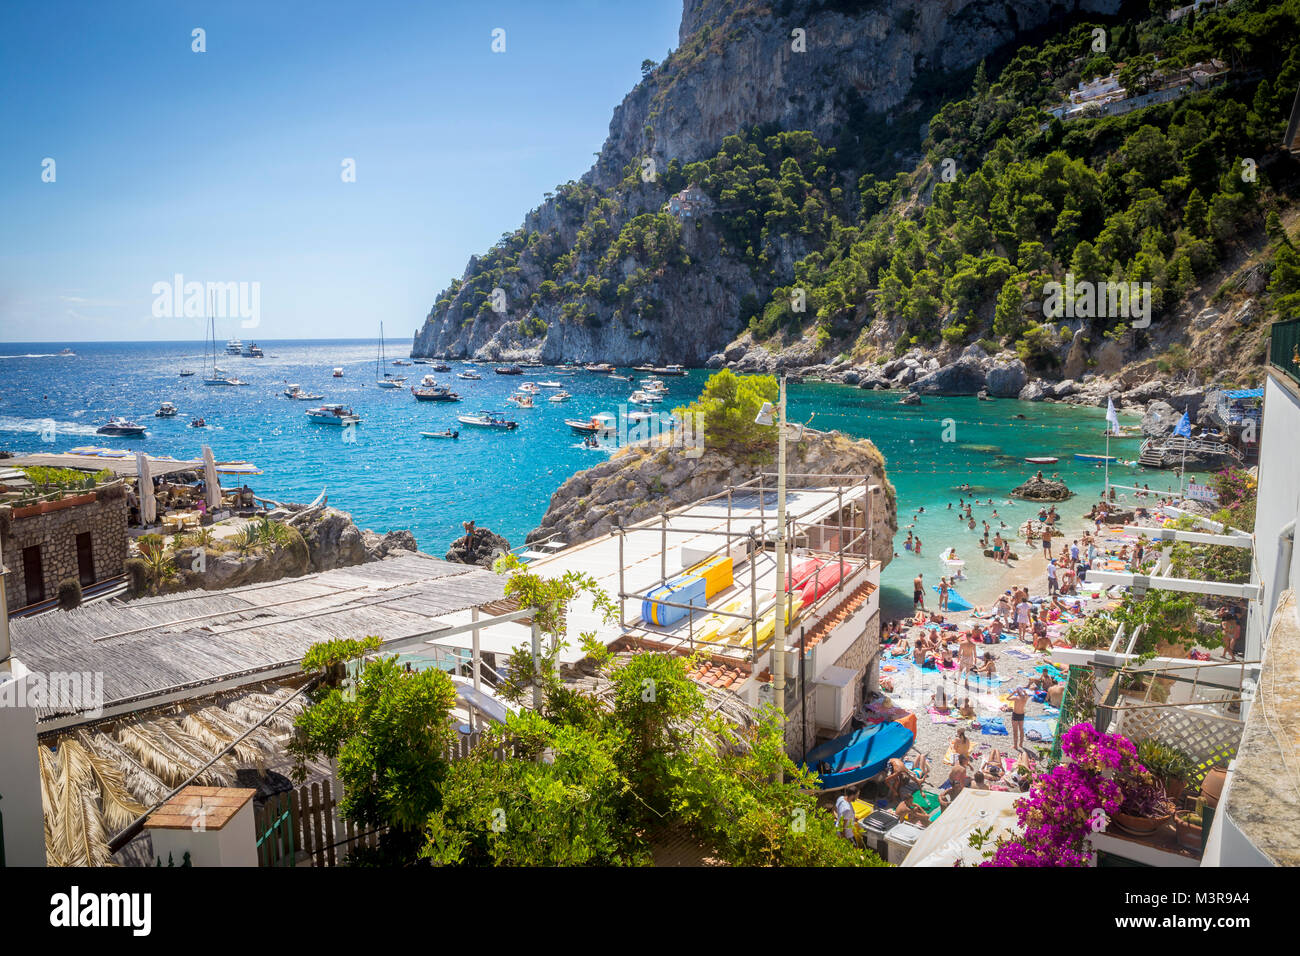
[(1169, 452)]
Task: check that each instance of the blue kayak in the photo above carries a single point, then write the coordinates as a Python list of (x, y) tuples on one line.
[(955, 601), (859, 755)]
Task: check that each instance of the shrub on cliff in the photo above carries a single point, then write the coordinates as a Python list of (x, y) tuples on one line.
[(729, 404)]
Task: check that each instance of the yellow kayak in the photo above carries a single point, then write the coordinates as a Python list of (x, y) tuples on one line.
[(718, 626), (767, 626)]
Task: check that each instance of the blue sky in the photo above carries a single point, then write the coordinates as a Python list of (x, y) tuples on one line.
[(224, 166)]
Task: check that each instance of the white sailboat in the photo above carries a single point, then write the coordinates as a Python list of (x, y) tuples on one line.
[(218, 376), (385, 379)]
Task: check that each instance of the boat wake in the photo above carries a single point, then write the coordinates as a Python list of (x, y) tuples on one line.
[(32, 355), (44, 426)]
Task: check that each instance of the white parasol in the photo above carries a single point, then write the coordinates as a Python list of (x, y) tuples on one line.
[(212, 484), (148, 505)]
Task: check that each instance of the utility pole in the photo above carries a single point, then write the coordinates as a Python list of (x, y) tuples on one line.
[(778, 649)]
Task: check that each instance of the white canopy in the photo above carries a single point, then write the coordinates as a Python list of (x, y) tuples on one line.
[(946, 841)]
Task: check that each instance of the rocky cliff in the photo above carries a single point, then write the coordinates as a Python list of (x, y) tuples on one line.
[(600, 272), (639, 483)]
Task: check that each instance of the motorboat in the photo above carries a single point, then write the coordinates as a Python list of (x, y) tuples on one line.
[(599, 367), (428, 381), (296, 392), (469, 376), (186, 372), (252, 350), (560, 396), (447, 434), (508, 370), (436, 393), (1095, 458), (595, 425), (652, 384), (521, 399), (198, 423), (1042, 461), (121, 427), (165, 410), (338, 372), (401, 362), (530, 387), (234, 347), (675, 370), (440, 366), (333, 415), (66, 351), (640, 397), (643, 368), (551, 384), (619, 378), (487, 420)]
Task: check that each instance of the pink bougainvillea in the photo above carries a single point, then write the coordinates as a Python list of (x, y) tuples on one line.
[(1063, 805)]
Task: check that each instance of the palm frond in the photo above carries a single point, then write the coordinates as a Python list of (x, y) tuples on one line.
[(119, 808)]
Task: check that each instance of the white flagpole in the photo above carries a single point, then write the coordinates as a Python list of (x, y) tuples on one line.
[(1106, 494)]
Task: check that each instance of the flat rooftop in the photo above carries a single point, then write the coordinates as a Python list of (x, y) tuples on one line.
[(176, 647)]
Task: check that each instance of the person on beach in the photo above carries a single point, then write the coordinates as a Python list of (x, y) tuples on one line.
[(960, 745), (907, 545), (943, 594), (1047, 542), (1022, 617), (999, 548), (966, 654), (918, 546), (1019, 698), (1051, 578), (988, 668), (846, 820), (918, 592)]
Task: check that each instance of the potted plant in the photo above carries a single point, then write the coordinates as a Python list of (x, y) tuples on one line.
[(1167, 764), (1188, 824), (1145, 807)]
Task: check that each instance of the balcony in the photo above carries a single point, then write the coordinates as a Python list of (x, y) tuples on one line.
[(1284, 348)]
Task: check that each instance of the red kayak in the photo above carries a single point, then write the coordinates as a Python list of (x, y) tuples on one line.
[(801, 573), (821, 581)]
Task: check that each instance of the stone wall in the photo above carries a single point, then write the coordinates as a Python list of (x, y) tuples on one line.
[(55, 533), (857, 657)]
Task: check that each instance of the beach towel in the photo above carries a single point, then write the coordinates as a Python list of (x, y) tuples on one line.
[(984, 681), (992, 726), (1040, 730), (1019, 654), (939, 718)]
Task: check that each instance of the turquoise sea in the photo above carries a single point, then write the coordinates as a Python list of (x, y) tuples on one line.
[(390, 477)]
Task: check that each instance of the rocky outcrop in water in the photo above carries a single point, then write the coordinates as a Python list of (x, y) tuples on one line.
[(479, 546), (640, 482), (1042, 489)]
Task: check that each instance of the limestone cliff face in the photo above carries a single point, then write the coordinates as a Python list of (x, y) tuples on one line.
[(639, 483), (739, 65)]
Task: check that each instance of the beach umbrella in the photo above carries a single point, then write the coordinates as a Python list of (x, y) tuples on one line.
[(148, 506), (210, 480)]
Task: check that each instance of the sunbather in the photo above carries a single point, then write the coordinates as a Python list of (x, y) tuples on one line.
[(900, 773)]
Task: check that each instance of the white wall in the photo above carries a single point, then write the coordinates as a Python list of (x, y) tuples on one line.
[(1278, 504), (20, 784)]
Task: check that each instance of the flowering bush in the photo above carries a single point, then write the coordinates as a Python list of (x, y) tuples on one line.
[(1067, 803)]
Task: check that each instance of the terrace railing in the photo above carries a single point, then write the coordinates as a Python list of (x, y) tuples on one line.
[(1284, 348)]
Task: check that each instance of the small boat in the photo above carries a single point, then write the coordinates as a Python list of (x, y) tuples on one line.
[(469, 376), (1042, 461), (619, 378), (508, 370), (333, 415), (599, 367), (521, 399), (1096, 458), (530, 387), (438, 393), (597, 424), (428, 381), (401, 362), (643, 368), (296, 392), (637, 417), (560, 396), (447, 434), (860, 755), (120, 426), (66, 351), (640, 397), (487, 420), (186, 372), (677, 370), (198, 423), (547, 384), (392, 381), (440, 366), (338, 372), (251, 350), (165, 410)]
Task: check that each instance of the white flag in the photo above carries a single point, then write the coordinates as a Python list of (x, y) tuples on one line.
[(1112, 419)]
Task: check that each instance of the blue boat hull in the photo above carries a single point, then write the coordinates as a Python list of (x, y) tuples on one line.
[(860, 755)]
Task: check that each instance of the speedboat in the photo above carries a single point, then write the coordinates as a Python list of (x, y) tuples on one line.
[(66, 351), (469, 376), (530, 387), (401, 362), (599, 367), (548, 385), (333, 415), (436, 393), (676, 370), (428, 381), (296, 392), (186, 372), (508, 370), (440, 366), (487, 420), (619, 378), (521, 399), (251, 350), (234, 347), (447, 434), (597, 424), (560, 396), (165, 410), (120, 426), (338, 372), (640, 397), (643, 368)]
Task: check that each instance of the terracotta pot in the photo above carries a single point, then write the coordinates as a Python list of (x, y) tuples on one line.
[(1189, 834), (1174, 787), (1140, 826), (1212, 786), (27, 511), (58, 505)]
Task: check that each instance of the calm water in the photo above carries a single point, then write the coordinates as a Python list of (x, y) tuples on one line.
[(390, 477)]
